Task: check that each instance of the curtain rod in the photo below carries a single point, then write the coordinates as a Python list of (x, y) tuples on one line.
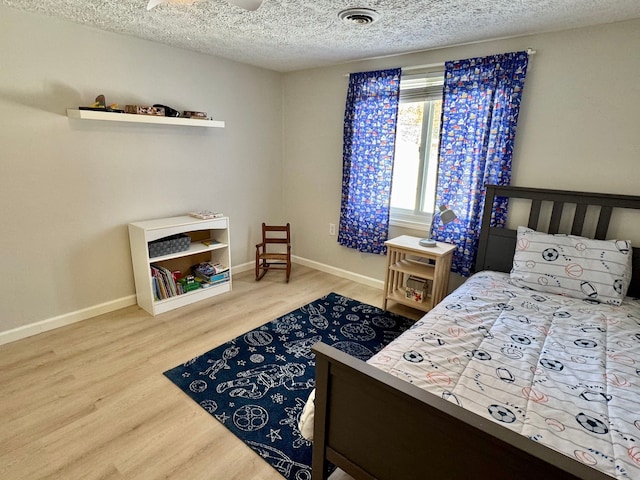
[(530, 51)]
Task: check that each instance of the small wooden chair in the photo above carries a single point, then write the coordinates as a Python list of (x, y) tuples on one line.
[(266, 260)]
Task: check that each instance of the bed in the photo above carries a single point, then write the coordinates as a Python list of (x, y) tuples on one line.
[(505, 378)]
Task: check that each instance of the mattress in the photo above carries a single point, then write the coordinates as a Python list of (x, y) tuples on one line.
[(561, 371)]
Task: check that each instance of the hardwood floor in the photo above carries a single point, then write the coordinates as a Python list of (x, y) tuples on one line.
[(89, 401)]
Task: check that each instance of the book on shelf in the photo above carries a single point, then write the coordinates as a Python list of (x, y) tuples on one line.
[(156, 287), (210, 242), (164, 282), (205, 214), (215, 279), (207, 270)]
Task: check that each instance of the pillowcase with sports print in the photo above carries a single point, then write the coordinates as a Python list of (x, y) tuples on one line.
[(578, 267)]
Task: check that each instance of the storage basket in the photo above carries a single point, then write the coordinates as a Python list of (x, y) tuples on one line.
[(169, 245)]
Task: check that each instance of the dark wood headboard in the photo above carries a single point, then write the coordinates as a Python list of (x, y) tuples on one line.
[(552, 211)]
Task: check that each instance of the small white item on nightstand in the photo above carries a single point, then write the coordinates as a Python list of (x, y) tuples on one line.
[(427, 242)]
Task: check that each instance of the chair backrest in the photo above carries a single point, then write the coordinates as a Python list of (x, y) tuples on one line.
[(276, 233)]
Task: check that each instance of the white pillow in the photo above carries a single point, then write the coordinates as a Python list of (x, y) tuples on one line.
[(596, 270)]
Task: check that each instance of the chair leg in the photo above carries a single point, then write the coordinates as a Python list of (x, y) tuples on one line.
[(262, 273), (288, 262), (258, 276), (261, 269)]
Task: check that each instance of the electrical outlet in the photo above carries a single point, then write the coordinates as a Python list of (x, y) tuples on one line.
[(332, 229)]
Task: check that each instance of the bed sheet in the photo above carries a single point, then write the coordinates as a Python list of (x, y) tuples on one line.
[(561, 371)]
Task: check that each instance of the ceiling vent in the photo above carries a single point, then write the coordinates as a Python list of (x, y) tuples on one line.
[(359, 16)]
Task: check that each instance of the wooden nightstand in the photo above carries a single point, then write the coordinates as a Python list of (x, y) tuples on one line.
[(406, 257)]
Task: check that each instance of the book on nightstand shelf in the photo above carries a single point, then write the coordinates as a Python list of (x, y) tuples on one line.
[(416, 289)]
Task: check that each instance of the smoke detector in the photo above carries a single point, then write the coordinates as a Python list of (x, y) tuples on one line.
[(359, 16)]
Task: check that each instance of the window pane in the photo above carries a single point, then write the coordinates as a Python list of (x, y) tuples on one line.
[(432, 144), (407, 155), (416, 156)]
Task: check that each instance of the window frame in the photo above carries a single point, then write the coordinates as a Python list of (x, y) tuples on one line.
[(427, 86)]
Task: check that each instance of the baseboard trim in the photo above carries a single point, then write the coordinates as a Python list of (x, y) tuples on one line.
[(25, 331), (67, 319), (242, 267), (339, 272)]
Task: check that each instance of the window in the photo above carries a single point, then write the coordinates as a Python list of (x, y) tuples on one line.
[(416, 156)]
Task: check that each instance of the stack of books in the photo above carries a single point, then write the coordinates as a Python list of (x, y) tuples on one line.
[(205, 214), (211, 273), (206, 274), (164, 284)]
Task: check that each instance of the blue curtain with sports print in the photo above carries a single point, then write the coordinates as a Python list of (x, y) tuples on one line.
[(480, 110), (369, 141)]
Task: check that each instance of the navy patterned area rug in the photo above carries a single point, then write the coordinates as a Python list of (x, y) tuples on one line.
[(258, 383)]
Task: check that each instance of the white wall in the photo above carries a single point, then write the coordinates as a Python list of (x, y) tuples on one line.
[(578, 128), (70, 187)]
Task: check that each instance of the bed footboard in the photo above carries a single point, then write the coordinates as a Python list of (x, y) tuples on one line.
[(375, 426)]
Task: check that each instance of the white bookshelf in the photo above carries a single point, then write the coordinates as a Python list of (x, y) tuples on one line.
[(131, 118), (141, 233)]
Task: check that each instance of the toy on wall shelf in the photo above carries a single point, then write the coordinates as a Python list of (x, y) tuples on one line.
[(100, 105)]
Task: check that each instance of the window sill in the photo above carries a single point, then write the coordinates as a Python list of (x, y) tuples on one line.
[(410, 224)]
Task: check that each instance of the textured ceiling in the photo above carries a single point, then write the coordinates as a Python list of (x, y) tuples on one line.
[(286, 35)]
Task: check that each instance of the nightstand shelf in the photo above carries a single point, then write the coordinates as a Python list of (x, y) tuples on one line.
[(414, 267), (405, 258)]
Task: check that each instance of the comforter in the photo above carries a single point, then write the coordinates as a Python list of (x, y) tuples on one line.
[(561, 371)]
